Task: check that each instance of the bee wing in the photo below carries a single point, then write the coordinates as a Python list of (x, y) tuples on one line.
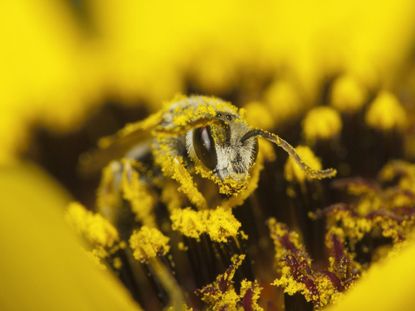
[(178, 117), (116, 146)]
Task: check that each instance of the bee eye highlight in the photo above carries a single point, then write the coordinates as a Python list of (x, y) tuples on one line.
[(204, 146)]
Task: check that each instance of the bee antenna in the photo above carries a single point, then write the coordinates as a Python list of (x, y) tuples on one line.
[(251, 133), (317, 174)]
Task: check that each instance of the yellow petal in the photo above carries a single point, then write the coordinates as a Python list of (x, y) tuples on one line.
[(388, 285), (42, 264)]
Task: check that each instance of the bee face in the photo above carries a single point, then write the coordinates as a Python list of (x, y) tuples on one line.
[(219, 148)]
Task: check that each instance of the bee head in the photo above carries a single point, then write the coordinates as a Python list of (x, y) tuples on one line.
[(219, 148)]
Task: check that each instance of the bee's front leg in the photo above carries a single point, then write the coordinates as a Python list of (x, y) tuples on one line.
[(124, 197), (172, 164)]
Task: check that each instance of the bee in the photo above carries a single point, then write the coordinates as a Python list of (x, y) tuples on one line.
[(195, 137)]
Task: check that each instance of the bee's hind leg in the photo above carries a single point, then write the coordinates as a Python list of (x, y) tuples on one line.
[(109, 199)]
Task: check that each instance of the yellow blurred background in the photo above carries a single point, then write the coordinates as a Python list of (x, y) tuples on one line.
[(61, 60)]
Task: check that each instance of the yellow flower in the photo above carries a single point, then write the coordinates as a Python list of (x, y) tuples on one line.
[(73, 71)]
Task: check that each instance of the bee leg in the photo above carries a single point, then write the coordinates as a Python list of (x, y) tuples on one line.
[(121, 182), (173, 166), (137, 193), (109, 199)]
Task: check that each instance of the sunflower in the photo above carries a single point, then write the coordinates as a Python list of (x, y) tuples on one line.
[(334, 79)]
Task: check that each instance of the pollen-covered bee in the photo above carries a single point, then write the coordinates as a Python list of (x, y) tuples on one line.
[(191, 140)]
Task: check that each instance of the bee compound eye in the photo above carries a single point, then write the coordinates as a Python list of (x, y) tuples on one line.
[(204, 146)]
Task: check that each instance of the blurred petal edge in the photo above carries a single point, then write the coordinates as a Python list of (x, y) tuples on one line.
[(388, 285), (42, 264)]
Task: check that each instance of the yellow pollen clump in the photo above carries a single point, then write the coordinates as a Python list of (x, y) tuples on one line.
[(258, 115), (93, 227), (228, 186), (188, 222), (255, 289), (283, 102), (293, 172), (295, 270), (290, 285), (321, 123), (219, 223), (354, 228), (348, 95), (222, 295), (386, 113), (148, 243)]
